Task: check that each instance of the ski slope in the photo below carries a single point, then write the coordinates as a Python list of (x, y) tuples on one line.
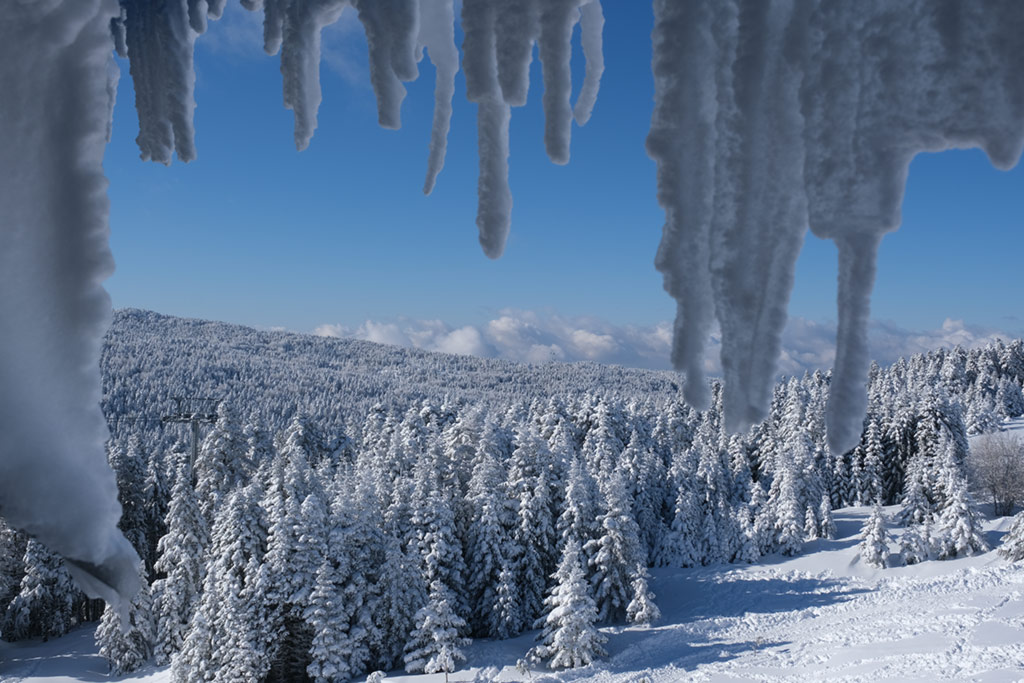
[(820, 616)]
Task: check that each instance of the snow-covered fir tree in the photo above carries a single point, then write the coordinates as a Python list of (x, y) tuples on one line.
[(641, 609), (874, 544), (1012, 547), (436, 643), (126, 640), (617, 553), (220, 462), (570, 637), (233, 630), (181, 554), (44, 604), (959, 525)]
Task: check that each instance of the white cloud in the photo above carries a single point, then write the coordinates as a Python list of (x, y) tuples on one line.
[(533, 338)]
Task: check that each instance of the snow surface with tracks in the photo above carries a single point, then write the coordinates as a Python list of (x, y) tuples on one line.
[(821, 615)]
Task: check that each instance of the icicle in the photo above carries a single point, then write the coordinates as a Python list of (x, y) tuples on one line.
[(391, 30), (58, 82), (273, 23), (809, 128), (215, 9), (437, 35), (197, 10), (682, 142), (760, 213), (557, 19), (517, 27), (591, 32), (494, 206), (848, 396), (300, 60), (159, 41)]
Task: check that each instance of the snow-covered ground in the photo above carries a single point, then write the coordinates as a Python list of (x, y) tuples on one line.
[(822, 615)]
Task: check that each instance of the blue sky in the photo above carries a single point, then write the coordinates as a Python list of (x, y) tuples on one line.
[(340, 234)]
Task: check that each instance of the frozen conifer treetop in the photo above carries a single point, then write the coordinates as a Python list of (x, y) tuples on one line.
[(770, 116)]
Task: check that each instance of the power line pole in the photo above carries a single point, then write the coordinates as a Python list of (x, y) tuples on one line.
[(193, 411)]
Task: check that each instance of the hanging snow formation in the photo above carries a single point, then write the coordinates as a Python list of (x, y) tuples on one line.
[(500, 36), (771, 116), (58, 86)]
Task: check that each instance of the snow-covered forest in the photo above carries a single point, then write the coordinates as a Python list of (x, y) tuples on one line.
[(357, 507)]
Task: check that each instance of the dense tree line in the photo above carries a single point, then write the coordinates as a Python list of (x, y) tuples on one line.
[(320, 537)]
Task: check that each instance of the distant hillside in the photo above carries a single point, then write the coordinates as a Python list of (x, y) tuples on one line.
[(149, 357)]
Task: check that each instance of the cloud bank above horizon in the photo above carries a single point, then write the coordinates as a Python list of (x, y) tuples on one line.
[(533, 337)]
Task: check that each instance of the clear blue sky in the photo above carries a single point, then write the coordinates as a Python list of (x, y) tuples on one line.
[(256, 233)]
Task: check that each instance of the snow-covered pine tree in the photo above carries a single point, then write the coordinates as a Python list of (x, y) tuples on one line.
[(678, 546), (810, 524), (916, 544), (616, 554), (826, 524), (233, 630), (874, 544), (869, 487), (748, 549), (294, 580), (433, 520), (326, 614), (508, 618), (959, 527), (357, 537), (156, 494), (490, 532), (129, 465), (641, 609), (1012, 547), (531, 482), (127, 646), (44, 605), (649, 500), (787, 508), (180, 559), (916, 505), (402, 593), (220, 462), (12, 566), (577, 520), (436, 643), (570, 637)]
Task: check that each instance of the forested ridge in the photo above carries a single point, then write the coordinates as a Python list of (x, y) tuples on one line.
[(356, 507)]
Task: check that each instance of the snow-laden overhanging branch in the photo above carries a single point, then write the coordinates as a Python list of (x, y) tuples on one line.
[(770, 116)]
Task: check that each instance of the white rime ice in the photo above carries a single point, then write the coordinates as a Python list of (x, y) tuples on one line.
[(300, 61), (437, 35), (158, 39), (772, 116), (58, 83)]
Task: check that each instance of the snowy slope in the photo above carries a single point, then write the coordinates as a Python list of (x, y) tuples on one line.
[(819, 616)]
